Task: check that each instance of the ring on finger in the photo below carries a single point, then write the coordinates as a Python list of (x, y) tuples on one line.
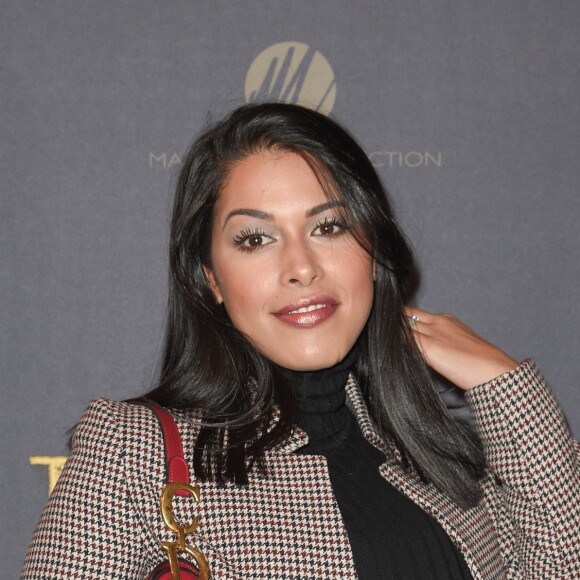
[(413, 320)]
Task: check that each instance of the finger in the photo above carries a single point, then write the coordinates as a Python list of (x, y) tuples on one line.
[(423, 315), (413, 320), (417, 318)]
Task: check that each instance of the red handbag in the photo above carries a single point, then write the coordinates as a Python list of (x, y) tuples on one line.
[(177, 483), (187, 571)]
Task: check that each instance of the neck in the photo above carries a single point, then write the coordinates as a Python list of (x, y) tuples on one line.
[(321, 400)]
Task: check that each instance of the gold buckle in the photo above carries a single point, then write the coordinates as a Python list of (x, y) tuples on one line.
[(178, 546)]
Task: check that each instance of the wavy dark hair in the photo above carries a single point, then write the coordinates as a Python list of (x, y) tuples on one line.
[(244, 402)]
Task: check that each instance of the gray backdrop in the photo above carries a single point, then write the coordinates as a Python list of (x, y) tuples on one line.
[(469, 110)]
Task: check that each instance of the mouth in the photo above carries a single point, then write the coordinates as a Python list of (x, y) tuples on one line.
[(307, 312)]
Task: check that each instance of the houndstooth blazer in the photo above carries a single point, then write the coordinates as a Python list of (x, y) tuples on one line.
[(102, 520)]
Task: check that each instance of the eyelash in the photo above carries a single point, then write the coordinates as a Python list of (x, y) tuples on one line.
[(240, 239), (333, 221)]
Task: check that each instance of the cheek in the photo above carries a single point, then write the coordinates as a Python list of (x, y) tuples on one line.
[(364, 300), (360, 271), (245, 295), (361, 289)]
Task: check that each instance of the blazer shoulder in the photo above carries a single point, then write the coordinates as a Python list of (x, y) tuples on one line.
[(138, 432), (134, 415), (133, 430)]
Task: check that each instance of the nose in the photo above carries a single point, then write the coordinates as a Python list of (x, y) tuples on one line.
[(300, 264)]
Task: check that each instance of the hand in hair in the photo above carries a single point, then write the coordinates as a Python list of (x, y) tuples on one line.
[(456, 352)]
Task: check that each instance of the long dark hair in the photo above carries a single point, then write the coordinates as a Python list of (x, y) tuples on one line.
[(244, 404)]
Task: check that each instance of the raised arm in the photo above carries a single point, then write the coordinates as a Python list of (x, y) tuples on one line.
[(527, 443)]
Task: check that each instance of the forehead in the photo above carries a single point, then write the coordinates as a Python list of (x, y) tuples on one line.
[(269, 181)]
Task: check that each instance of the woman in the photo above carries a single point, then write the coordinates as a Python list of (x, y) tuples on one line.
[(303, 395)]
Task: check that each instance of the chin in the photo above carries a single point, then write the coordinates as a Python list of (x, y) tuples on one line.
[(311, 362)]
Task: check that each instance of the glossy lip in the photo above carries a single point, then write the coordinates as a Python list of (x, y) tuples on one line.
[(326, 308)]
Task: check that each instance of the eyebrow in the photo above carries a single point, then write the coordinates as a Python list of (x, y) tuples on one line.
[(263, 215), (323, 207)]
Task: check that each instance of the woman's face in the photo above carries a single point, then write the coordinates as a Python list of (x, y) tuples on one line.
[(292, 278)]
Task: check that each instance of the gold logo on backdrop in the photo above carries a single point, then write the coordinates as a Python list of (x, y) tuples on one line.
[(55, 463), (292, 72)]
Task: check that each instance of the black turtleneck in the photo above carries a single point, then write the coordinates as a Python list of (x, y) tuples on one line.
[(390, 536)]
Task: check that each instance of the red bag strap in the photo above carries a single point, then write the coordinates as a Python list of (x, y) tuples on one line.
[(176, 468), (176, 471)]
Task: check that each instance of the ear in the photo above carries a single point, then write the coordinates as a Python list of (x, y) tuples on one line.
[(213, 284)]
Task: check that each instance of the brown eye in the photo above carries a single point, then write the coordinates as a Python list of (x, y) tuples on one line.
[(327, 229), (250, 240), (255, 241)]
